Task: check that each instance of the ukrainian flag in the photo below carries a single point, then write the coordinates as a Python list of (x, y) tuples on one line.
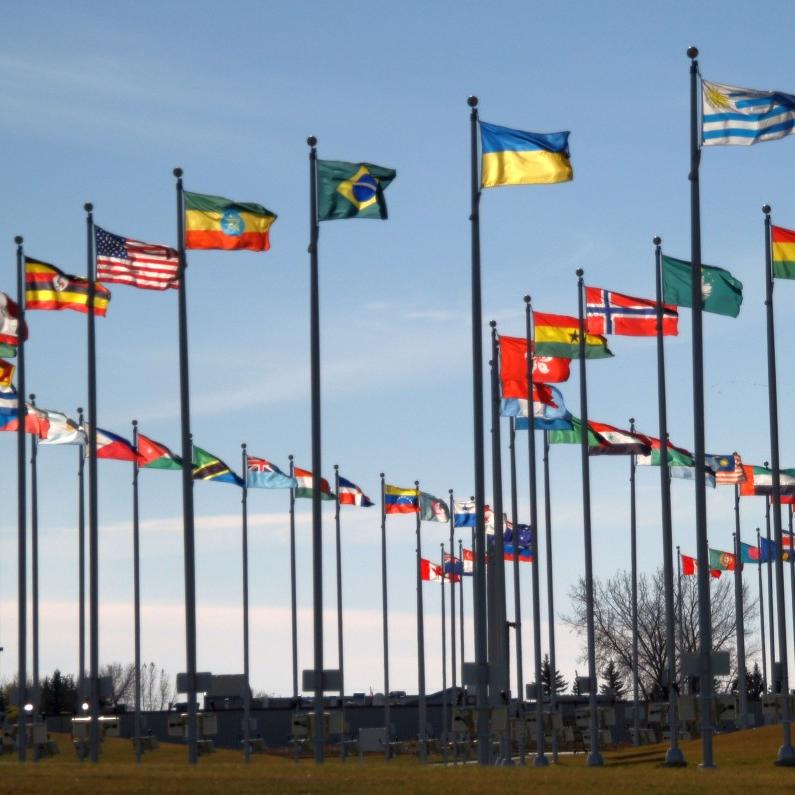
[(513, 157)]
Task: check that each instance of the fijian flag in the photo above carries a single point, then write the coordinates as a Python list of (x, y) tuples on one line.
[(262, 474), (351, 494), (614, 313), (125, 261)]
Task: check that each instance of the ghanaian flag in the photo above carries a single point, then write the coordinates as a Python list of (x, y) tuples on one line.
[(46, 287), (215, 222), (559, 335)]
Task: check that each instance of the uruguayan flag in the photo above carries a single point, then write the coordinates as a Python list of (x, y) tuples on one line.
[(732, 115)]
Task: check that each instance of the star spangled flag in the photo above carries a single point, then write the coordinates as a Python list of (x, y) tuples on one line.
[(433, 509), (262, 474), (728, 469), (744, 116), (123, 260), (608, 312), (9, 326), (351, 494), (513, 368), (8, 400), (62, 430), (464, 513)]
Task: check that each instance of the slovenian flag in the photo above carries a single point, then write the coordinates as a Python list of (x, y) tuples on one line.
[(350, 494)]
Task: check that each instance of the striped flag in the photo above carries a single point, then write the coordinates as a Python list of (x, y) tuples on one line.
[(304, 490), (351, 494), (125, 261), (728, 469), (8, 400), (48, 287)]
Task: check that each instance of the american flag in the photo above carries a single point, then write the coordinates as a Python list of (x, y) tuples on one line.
[(125, 261), (728, 470)]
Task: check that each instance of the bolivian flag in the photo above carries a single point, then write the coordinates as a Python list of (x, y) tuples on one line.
[(513, 157), (783, 252), (215, 222), (46, 287), (559, 335)]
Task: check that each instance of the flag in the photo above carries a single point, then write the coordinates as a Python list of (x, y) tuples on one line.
[(304, 488), (433, 509), (721, 293), (46, 287), (469, 560), (8, 400), (464, 513), (728, 469), (574, 435), (524, 555), (514, 157), (619, 442), (111, 446), (434, 572), (724, 561), (732, 115), (9, 326), (351, 190), (262, 474), (783, 253), (759, 481), (681, 463), (153, 455), (513, 368), (559, 335), (400, 500), (520, 536), (36, 421), (549, 414), (216, 222), (207, 467), (689, 566), (6, 373), (751, 553), (452, 565), (121, 260), (350, 494), (62, 430), (613, 313)]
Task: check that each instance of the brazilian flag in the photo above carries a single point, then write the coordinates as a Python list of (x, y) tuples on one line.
[(351, 190)]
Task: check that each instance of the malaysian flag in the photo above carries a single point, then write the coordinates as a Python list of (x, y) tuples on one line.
[(728, 469), (124, 261)]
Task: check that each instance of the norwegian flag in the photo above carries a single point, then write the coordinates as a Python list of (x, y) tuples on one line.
[(614, 313)]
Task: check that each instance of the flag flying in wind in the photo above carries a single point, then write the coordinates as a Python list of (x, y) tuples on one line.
[(452, 565), (433, 509), (559, 335), (613, 313), (724, 561), (262, 474), (574, 435), (515, 157), (121, 260), (681, 463), (112, 446), (433, 572), (733, 115), (351, 494), (304, 488), (9, 326), (721, 293), (47, 287), (513, 368), (619, 442), (728, 469), (8, 400), (783, 253), (400, 500), (351, 190), (216, 222), (36, 421), (464, 513), (689, 566), (153, 455), (750, 553), (62, 430), (6, 373), (759, 481), (207, 467), (548, 415)]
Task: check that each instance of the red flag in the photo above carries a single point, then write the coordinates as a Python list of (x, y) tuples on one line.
[(513, 368), (613, 313), (689, 567)]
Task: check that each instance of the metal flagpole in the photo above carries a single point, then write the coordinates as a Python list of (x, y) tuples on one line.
[(22, 611), (443, 733), (762, 612), (673, 756), (34, 565), (792, 570), (479, 579), (136, 600), (702, 548), (387, 728), (81, 557), (553, 695), (293, 597), (633, 536), (517, 598), (786, 753), (189, 542), (682, 675), (461, 606), (594, 756), (452, 606), (422, 704), (742, 683), (340, 655), (93, 518), (246, 667), (540, 759), (770, 613)]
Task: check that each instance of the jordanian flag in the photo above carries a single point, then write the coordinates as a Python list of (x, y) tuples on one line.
[(207, 467), (304, 487), (154, 455)]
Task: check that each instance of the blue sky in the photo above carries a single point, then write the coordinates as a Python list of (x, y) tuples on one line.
[(102, 101)]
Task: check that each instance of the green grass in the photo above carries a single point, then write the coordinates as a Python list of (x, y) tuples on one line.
[(744, 762)]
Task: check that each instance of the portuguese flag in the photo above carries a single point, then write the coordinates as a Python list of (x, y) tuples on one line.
[(559, 335), (304, 488), (783, 253), (215, 222), (722, 561), (153, 455)]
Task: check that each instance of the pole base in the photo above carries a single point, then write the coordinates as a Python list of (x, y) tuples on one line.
[(711, 766), (540, 760), (786, 756), (595, 759), (674, 758)]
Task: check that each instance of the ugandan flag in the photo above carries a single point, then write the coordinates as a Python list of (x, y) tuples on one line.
[(46, 287), (215, 222), (559, 335), (207, 467)]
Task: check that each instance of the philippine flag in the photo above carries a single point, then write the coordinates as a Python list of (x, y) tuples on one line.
[(351, 494), (109, 445)]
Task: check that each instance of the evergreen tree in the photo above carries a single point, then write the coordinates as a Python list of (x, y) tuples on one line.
[(754, 684), (546, 678), (58, 694), (575, 686), (613, 681)]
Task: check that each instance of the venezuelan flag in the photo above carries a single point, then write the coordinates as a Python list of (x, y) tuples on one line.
[(399, 500), (215, 222), (513, 157), (783, 252)]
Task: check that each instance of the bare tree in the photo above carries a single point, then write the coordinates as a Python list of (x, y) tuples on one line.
[(613, 624), (157, 692), (122, 682)]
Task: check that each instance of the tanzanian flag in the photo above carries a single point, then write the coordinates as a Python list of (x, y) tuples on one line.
[(215, 222), (783, 252), (514, 157), (721, 293), (559, 335), (351, 190), (207, 467)]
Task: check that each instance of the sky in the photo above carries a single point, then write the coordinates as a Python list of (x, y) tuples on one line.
[(101, 101)]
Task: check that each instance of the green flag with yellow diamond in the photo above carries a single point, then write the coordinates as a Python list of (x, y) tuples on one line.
[(351, 190)]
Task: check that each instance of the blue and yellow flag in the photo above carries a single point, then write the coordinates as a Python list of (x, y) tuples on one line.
[(513, 157)]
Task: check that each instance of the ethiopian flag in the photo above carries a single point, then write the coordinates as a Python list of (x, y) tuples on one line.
[(207, 467), (783, 252), (153, 455), (559, 335), (215, 222), (351, 190)]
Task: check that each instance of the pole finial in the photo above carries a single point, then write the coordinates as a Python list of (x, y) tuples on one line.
[(311, 141), (527, 299), (290, 457), (657, 240), (135, 423), (88, 207), (472, 101), (631, 420), (79, 409), (692, 52), (766, 209), (417, 483), (18, 240), (177, 172), (493, 323), (243, 445), (32, 396), (580, 273), (381, 475), (336, 467)]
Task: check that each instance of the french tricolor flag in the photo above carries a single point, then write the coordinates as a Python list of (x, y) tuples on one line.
[(351, 494)]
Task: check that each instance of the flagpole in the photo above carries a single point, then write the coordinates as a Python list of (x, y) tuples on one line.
[(762, 611), (479, 578), (34, 565), (293, 596), (553, 695), (594, 756), (770, 615), (682, 675), (443, 733), (792, 570), (461, 606), (188, 532), (673, 755), (786, 753), (136, 599), (317, 516), (81, 556), (246, 666), (340, 655), (452, 608), (633, 535), (22, 611), (517, 599), (385, 619), (422, 704), (742, 683)]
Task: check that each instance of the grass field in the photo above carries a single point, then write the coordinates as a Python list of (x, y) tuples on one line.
[(744, 762)]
